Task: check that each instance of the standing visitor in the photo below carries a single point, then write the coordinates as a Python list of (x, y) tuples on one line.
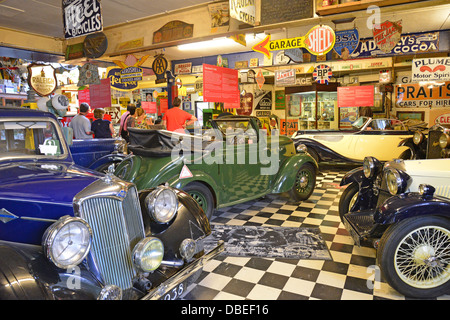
[(81, 125), (101, 128), (143, 121), (123, 132), (175, 119)]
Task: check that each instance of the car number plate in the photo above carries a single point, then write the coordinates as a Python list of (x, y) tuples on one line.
[(175, 292)]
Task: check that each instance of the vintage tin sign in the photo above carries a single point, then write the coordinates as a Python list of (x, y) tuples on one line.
[(95, 45), (173, 30), (318, 41), (113, 73), (409, 44), (159, 67), (244, 11), (42, 78), (81, 17), (431, 69), (387, 35), (322, 74), (346, 42)]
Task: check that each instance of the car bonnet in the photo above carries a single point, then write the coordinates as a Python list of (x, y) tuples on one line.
[(43, 182)]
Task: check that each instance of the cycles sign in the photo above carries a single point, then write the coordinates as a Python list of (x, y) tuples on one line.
[(318, 41), (81, 17)]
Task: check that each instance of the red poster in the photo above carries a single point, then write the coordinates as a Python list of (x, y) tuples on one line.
[(149, 107), (83, 96), (359, 96), (100, 94), (220, 84), (163, 105)]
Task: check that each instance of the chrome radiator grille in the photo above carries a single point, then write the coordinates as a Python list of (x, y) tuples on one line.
[(117, 226)]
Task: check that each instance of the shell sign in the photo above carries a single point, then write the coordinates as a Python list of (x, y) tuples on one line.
[(319, 41)]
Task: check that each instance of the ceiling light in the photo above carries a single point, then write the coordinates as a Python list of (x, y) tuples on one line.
[(208, 44)]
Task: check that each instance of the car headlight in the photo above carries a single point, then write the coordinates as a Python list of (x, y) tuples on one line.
[(444, 140), (426, 190), (371, 167), (67, 242), (188, 248), (417, 137), (162, 204), (148, 254), (302, 148), (394, 181)]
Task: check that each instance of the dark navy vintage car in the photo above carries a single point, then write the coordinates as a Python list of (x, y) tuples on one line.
[(407, 220), (67, 232)]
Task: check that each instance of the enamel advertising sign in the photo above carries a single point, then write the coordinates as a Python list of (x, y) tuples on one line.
[(244, 11), (81, 17), (431, 69), (42, 78), (387, 35), (346, 43), (318, 41)]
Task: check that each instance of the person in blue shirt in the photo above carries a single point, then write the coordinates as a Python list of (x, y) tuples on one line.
[(101, 128)]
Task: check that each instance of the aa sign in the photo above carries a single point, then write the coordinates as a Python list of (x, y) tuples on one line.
[(318, 41)]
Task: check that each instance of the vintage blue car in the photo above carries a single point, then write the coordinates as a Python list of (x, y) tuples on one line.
[(406, 219), (98, 154), (67, 232)]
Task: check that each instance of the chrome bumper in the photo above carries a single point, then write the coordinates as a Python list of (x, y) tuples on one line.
[(183, 274)]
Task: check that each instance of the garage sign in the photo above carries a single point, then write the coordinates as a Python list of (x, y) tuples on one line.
[(319, 41)]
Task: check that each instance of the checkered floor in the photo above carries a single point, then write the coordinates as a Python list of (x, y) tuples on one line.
[(352, 274)]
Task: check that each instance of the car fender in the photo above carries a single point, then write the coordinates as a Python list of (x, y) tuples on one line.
[(287, 173), (324, 152), (199, 176), (110, 158), (190, 222), (401, 207), (355, 175), (26, 274)]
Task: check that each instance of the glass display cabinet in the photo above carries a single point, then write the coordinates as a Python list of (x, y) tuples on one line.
[(315, 106)]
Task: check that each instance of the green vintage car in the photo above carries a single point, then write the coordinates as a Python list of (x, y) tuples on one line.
[(232, 162)]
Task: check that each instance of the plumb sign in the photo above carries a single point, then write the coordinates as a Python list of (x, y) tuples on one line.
[(81, 17)]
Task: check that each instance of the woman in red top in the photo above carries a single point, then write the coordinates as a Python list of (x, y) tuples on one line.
[(175, 119)]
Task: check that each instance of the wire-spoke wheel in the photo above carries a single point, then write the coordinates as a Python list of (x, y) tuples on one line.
[(415, 256)]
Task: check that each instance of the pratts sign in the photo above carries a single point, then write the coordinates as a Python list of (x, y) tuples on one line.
[(319, 40)]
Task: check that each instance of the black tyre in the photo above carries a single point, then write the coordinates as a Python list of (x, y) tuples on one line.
[(203, 196), (305, 182), (414, 256), (348, 199)]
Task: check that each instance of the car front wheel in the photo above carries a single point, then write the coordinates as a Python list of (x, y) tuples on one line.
[(348, 199), (414, 256), (202, 195), (304, 184)]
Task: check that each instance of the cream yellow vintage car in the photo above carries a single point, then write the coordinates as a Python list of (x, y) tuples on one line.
[(380, 138)]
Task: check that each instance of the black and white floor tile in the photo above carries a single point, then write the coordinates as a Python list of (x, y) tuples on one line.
[(350, 275)]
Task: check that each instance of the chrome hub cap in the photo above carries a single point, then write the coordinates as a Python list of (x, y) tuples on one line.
[(422, 258)]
